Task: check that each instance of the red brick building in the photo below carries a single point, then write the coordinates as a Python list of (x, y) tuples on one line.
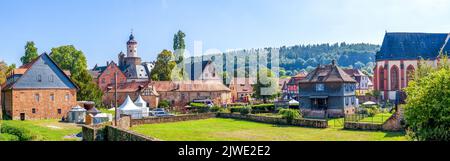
[(106, 77), (38, 90), (132, 89)]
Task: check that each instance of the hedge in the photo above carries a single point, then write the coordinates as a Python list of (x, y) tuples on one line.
[(263, 108), (22, 133), (8, 137)]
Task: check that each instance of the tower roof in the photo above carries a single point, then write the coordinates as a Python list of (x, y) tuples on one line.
[(131, 40)]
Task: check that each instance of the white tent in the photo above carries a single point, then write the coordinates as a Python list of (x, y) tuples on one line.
[(129, 108), (142, 104), (369, 103), (293, 102)]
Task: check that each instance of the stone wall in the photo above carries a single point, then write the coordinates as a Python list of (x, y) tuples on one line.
[(392, 124), (118, 134), (155, 120), (110, 133), (274, 120)]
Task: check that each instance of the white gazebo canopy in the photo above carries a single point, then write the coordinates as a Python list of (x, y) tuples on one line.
[(293, 102), (129, 108), (369, 103), (140, 102)]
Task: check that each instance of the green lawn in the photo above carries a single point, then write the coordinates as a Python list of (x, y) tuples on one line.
[(377, 119), (218, 129), (48, 130)]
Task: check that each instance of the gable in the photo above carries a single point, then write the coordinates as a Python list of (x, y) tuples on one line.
[(42, 74)]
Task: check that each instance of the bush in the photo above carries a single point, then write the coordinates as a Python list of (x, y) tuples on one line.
[(289, 114), (216, 109), (427, 106), (8, 137), (164, 104), (236, 109), (199, 107), (263, 108), (22, 133), (246, 110)]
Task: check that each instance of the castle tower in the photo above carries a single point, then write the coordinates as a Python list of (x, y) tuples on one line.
[(132, 47)]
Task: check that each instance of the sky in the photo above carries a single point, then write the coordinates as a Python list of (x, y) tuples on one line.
[(100, 28)]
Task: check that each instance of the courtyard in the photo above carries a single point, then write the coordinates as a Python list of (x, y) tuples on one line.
[(219, 129)]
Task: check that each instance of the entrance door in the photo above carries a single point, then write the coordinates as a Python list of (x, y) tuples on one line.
[(320, 103), (22, 116)]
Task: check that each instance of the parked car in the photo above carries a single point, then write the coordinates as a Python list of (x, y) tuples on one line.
[(160, 112)]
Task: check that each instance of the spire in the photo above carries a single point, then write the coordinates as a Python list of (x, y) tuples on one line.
[(131, 35)]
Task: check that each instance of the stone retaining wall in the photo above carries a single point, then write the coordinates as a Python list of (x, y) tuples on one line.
[(157, 120), (362, 126), (275, 120), (110, 133), (117, 134)]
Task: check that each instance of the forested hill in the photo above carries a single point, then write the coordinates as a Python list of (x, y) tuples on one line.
[(306, 57), (295, 58)]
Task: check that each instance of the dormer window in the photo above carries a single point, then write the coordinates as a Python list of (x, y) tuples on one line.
[(50, 78), (320, 87)]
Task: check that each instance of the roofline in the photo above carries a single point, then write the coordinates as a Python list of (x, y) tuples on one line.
[(57, 66)]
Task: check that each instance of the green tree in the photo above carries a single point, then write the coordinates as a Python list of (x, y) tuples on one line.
[(267, 85), (31, 53), (427, 111), (69, 58), (179, 46), (163, 67), (4, 70)]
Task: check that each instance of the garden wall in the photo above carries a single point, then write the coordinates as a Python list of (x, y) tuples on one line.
[(157, 120), (110, 133), (362, 126), (392, 124), (275, 120)]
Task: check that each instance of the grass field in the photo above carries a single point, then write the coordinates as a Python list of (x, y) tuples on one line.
[(378, 118), (218, 129), (48, 130)]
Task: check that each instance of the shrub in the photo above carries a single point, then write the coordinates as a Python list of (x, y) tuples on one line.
[(22, 133), (216, 109), (164, 104), (236, 109), (245, 110), (289, 114), (200, 107), (8, 137), (263, 108)]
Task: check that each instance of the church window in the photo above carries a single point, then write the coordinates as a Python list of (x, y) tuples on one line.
[(381, 79), (394, 78), (409, 74)]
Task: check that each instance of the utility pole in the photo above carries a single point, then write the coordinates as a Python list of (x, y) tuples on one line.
[(115, 98)]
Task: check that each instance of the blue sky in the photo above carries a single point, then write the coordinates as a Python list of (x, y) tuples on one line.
[(100, 28)]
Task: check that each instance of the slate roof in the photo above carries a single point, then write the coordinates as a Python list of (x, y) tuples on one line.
[(327, 74), (134, 86), (398, 45), (43, 67)]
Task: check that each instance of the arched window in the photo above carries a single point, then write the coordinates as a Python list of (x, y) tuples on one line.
[(394, 78), (410, 74), (381, 78)]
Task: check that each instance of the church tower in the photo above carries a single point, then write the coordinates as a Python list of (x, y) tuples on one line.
[(132, 46)]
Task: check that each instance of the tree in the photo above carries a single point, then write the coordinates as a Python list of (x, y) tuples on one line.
[(4, 70), (266, 86), (30, 53), (427, 109), (163, 67), (69, 58), (179, 46)]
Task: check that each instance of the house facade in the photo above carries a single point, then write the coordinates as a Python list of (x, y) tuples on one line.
[(399, 56), (38, 90), (181, 93), (327, 92), (364, 84), (107, 78), (290, 89), (241, 88), (204, 70)]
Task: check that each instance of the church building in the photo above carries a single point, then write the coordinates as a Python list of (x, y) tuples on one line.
[(399, 57)]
